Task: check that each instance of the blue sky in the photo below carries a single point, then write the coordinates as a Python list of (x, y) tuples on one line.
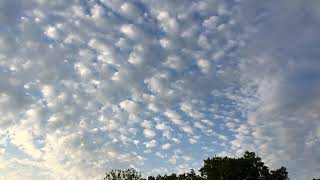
[(92, 85)]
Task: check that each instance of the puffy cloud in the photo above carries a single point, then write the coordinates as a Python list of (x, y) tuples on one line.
[(129, 30), (204, 65), (52, 32), (149, 133), (211, 22), (162, 126), (168, 23), (166, 146), (130, 10), (151, 144), (174, 117), (147, 124), (130, 106)]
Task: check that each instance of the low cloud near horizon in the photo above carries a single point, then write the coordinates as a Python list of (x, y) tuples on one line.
[(92, 85)]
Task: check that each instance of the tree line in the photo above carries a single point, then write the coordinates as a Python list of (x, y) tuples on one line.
[(247, 167)]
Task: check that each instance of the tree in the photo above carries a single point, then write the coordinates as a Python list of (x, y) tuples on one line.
[(218, 168), (185, 176), (151, 178), (279, 174), (129, 174), (247, 167), (189, 176), (252, 166)]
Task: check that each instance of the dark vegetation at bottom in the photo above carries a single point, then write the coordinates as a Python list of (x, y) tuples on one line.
[(247, 167)]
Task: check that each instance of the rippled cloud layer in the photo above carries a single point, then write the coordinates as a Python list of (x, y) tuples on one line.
[(92, 85)]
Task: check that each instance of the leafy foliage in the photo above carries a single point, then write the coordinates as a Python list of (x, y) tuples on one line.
[(129, 174)]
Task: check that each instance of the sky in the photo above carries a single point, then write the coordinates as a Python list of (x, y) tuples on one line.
[(87, 86)]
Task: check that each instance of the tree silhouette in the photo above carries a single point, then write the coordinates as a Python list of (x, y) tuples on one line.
[(129, 174), (247, 167), (185, 176), (279, 174), (231, 168)]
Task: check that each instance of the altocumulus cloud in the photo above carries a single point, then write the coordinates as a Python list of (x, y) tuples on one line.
[(88, 86)]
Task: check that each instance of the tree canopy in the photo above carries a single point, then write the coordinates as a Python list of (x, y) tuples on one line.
[(129, 174), (247, 167)]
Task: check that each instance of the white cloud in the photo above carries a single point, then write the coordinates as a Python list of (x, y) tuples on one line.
[(147, 124), (174, 62), (192, 141), (52, 32), (169, 24), (211, 22), (174, 117), (173, 160), (130, 106), (151, 144), (187, 129), (280, 108), (149, 133), (132, 31), (166, 146), (162, 126), (2, 151), (130, 10), (204, 65)]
